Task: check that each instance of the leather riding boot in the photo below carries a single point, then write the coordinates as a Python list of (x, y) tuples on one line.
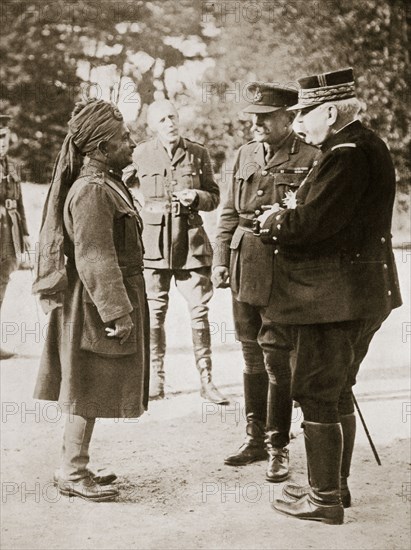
[(157, 352), (255, 396), (279, 409), (202, 353), (323, 444), (348, 424)]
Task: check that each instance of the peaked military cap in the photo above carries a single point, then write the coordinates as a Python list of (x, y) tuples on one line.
[(4, 121), (320, 88), (267, 98)]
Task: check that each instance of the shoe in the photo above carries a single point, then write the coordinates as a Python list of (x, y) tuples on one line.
[(6, 354), (100, 478), (246, 454), (278, 465), (307, 508), (87, 489), (210, 393)]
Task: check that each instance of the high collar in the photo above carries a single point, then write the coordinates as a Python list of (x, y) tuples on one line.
[(342, 135), (95, 165), (178, 151), (281, 155)]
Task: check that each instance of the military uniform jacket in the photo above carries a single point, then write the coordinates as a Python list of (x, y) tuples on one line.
[(85, 371), (256, 183), (13, 225), (334, 259), (174, 237)]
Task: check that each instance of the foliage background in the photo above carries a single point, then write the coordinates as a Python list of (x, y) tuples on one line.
[(201, 55)]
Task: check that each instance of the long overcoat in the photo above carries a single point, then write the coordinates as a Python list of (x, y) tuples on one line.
[(333, 252), (88, 373)]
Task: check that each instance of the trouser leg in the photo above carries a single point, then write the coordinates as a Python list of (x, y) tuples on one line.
[(196, 287)]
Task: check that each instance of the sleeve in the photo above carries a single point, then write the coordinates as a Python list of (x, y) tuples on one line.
[(330, 204), (227, 224), (208, 197), (96, 259)]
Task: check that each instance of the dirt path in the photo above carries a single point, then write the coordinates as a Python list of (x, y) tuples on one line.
[(176, 492)]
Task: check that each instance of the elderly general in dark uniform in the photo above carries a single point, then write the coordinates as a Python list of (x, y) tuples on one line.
[(13, 227), (335, 282), (95, 361), (268, 169), (176, 179)]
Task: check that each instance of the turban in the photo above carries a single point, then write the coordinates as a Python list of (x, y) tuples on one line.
[(90, 123)]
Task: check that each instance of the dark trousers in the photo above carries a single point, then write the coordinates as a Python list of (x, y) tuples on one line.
[(327, 360)]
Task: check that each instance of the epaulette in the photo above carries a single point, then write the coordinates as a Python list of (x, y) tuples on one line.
[(195, 142), (96, 178), (353, 145)]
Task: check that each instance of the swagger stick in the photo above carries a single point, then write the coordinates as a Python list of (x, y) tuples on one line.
[(374, 450)]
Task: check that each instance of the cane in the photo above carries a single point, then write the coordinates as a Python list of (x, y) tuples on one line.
[(374, 450)]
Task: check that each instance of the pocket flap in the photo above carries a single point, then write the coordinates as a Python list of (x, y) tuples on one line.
[(152, 218), (291, 180), (144, 173)]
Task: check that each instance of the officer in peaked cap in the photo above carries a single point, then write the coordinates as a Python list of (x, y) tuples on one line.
[(335, 282), (13, 227), (267, 170)]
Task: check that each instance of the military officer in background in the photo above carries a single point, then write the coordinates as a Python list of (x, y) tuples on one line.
[(335, 282), (176, 179), (268, 169), (14, 235)]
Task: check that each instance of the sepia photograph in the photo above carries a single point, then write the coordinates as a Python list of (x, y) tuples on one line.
[(205, 258)]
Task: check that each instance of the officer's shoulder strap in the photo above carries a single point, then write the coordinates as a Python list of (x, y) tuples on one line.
[(194, 142), (341, 145)]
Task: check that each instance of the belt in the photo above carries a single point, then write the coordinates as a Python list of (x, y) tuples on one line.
[(245, 222)]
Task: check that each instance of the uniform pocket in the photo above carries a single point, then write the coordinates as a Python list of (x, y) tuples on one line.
[(190, 177), (94, 337), (153, 235), (152, 185)]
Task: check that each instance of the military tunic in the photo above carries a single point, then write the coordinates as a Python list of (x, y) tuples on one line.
[(334, 259), (175, 242), (174, 237), (13, 225), (256, 183), (88, 373), (335, 279)]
